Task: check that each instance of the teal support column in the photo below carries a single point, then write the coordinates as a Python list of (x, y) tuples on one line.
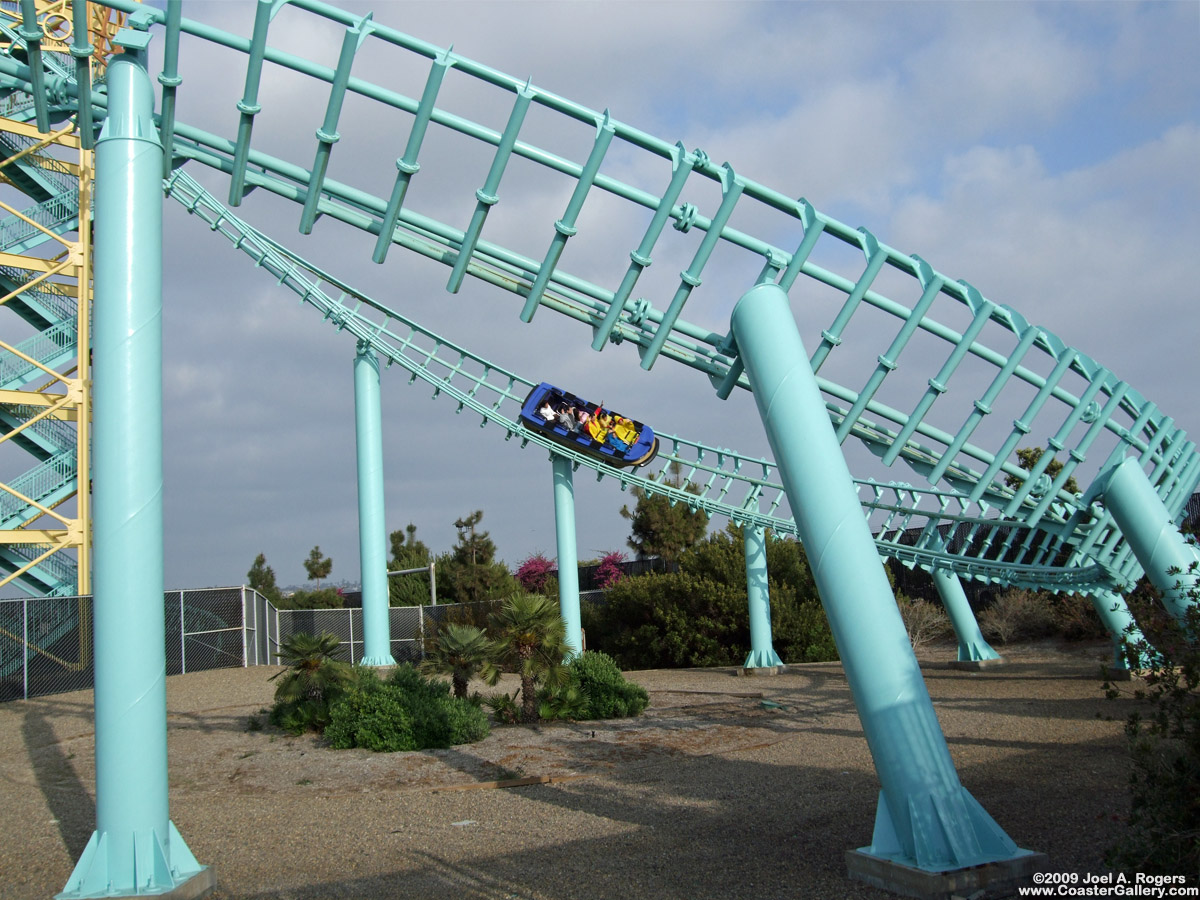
[(135, 848), (925, 818), (372, 532), (1118, 621), (762, 650), (972, 647), (1171, 563), (568, 552)]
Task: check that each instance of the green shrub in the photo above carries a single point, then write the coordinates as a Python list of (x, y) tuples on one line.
[(405, 712), (673, 620), (299, 716), (566, 701), (504, 707), (468, 722), (1163, 834), (698, 616), (597, 690), (430, 721), (801, 632), (321, 598), (312, 681), (608, 694), (426, 702), (374, 719)]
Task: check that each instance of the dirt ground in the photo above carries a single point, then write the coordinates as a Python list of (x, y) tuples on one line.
[(726, 787)]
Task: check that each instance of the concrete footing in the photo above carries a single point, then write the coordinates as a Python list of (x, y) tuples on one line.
[(974, 665), (759, 670), (995, 879), (199, 885)]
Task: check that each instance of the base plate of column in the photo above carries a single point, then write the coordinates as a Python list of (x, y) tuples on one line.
[(974, 665), (993, 879), (759, 670)]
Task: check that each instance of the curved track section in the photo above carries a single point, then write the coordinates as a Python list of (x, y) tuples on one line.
[(891, 335), (914, 526)]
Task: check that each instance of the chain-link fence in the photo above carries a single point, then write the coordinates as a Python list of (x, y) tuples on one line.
[(46, 642), (405, 625), (409, 627)]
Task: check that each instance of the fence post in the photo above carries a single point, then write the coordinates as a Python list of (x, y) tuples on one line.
[(182, 638), (261, 629), (245, 628), (259, 634), (25, 647)]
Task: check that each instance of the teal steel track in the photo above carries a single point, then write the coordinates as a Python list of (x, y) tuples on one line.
[(722, 482), (974, 512)]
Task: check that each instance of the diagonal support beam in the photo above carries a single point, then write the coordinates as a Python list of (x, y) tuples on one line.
[(926, 818)]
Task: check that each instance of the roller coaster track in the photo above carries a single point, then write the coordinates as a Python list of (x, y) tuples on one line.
[(980, 515), (721, 482), (869, 310)]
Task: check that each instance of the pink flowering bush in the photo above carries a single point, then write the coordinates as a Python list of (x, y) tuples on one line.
[(609, 572), (535, 571)]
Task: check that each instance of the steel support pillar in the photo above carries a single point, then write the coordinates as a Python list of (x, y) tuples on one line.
[(762, 649), (1118, 621), (372, 529), (135, 849), (972, 647), (1171, 563), (925, 818), (568, 553)]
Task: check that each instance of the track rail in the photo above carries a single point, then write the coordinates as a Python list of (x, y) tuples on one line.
[(917, 527)]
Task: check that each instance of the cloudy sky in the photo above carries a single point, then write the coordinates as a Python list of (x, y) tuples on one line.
[(1045, 152)]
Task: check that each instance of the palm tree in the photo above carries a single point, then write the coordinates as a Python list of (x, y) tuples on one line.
[(530, 639), (313, 674), (462, 652)]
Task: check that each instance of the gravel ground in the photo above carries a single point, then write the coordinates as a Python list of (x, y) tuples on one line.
[(711, 794)]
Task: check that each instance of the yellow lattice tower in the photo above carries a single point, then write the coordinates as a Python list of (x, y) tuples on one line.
[(45, 280), (40, 287), (55, 19)]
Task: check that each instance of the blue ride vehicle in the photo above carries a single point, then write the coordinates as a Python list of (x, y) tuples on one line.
[(588, 427)]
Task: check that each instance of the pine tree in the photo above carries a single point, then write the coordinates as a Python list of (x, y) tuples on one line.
[(1027, 458), (261, 578), (317, 566), (408, 553), (470, 573), (661, 529)]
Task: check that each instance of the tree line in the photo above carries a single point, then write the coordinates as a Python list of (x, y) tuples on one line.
[(694, 614), (470, 573)]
